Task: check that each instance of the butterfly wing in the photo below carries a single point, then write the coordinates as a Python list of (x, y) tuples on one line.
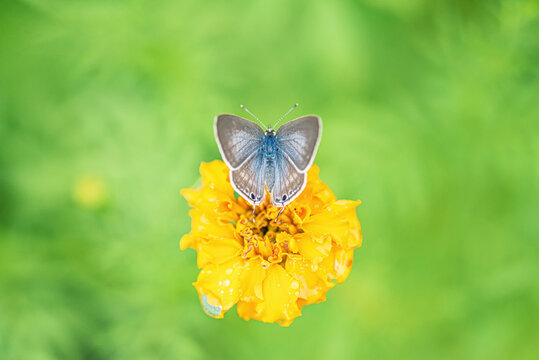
[(299, 139), (237, 138), (287, 182), (249, 179)]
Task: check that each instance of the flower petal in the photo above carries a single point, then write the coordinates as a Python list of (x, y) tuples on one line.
[(313, 279), (279, 304), (339, 263), (214, 242), (203, 225), (339, 220), (313, 249), (316, 194), (217, 250), (220, 284), (252, 278), (215, 176)]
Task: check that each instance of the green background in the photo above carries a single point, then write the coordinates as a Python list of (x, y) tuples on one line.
[(431, 118)]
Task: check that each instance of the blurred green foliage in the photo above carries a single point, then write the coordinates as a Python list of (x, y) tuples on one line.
[(431, 118)]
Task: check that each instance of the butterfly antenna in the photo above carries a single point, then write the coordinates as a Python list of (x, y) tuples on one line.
[(253, 115), (288, 112)]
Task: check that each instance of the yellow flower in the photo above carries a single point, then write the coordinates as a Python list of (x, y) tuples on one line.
[(269, 269), (90, 192)]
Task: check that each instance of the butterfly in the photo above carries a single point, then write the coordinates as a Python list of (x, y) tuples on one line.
[(260, 158)]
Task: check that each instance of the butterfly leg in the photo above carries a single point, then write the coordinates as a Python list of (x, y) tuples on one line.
[(280, 212), (253, 215)]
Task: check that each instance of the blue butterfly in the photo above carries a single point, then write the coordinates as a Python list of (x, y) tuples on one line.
[(260, 157)]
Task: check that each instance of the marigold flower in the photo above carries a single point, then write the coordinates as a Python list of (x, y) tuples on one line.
[(270, 269), (90, 192)]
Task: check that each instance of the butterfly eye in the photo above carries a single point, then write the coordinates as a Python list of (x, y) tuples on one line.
[(285, 197), (252, 196)]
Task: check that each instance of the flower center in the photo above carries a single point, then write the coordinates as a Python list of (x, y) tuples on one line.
[(263, 236)]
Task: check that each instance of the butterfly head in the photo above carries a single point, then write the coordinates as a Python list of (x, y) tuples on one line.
[(269, 132)]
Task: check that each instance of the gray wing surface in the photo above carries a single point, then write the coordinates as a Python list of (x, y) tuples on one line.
[(288, 182), (248, 180), (299, 140), (237, 138)]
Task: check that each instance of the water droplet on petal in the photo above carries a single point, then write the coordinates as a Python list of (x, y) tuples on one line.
[(228, 271), (226, 282), (209, 309), (314, 267), (294, 285)]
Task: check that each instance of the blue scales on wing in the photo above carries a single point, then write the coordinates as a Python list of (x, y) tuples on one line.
[(249, 179), (287, 182)]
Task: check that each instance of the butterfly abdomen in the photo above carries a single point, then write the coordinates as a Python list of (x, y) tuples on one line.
[(270, 174)]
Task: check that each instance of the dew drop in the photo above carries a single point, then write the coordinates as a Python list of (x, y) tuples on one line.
[(228, 271), (226, 282), (314, 267), (209, 309), (294, 285)]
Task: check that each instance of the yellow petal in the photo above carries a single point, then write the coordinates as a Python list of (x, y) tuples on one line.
[(203, 225), (214, 242), (279, 297), (339, 263), (252, 277), (312, 280), (216, 195), (220, 284), (338, 220), (316, 194), (217, 250), (299, 213), (247, 309), (220, 207), (343, 264), (215, 176), (313, 249)]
